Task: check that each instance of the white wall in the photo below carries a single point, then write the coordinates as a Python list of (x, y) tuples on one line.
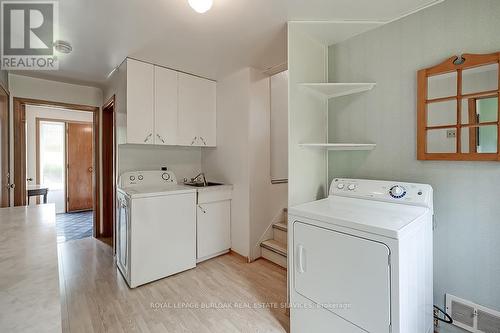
[(28, 87), (466, 246), (242, 158), (32, 113), (308, 117), (229, 162)]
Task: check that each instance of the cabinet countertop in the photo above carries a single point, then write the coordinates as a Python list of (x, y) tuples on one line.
[(224, 187), (29, 275)]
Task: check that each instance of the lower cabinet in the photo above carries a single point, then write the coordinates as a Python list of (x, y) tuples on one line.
[(213, 227)]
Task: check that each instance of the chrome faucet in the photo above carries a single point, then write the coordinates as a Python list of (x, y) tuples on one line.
[(196, 179)]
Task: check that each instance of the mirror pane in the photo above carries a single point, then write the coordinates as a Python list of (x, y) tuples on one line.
[(442, 113), (479, 110), (442, 140), (443, 85), (478, 79), (482, 139)]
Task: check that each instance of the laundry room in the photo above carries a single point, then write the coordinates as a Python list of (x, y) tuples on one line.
[(250, 166)]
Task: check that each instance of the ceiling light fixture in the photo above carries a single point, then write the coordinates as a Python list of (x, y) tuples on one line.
[(63, 46), (201, 6)]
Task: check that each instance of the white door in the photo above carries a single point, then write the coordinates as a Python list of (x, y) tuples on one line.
[(197, 111), (165, 120), (140, 81), (333, 269), (213, 228)]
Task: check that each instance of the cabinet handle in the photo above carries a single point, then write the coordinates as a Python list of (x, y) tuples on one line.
[(202, 139), (202, 210), (194, 140), (148, 137), (159, 137)]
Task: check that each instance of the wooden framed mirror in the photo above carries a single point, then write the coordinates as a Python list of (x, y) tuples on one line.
[(458, 111)]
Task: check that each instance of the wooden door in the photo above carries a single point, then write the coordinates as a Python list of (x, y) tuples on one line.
[(140, 102), (80, 167), (4, 149), (165, 112)]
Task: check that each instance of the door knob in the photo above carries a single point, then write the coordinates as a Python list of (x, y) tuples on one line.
[(30, 179), (91, 169), (11, 185)]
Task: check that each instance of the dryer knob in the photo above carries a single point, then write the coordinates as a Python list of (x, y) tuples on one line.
[(351, 187), (397, 191), (340, 186)]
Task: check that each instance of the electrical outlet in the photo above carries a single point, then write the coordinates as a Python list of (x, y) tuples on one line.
[(450, 134)]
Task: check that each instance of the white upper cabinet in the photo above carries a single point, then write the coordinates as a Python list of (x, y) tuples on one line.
[(160, 106), (140, 108), (166, 106), (197, 111)]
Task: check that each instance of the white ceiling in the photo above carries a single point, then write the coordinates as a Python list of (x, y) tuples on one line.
[(233, 34)]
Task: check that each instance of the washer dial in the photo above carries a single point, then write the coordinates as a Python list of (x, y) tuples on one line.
[(165, 176)]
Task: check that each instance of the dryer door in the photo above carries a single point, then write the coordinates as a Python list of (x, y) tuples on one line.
[(348, 275)]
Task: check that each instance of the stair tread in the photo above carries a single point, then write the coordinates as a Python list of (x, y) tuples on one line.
[(275, 246), (281, 225)]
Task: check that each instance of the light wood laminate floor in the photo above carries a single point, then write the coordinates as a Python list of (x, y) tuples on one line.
[(95, 298)]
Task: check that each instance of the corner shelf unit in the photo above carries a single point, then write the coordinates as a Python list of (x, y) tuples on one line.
[(340, 146), (331, 90)]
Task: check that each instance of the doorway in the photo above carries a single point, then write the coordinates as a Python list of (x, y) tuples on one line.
[(23, 171), (64, 166)]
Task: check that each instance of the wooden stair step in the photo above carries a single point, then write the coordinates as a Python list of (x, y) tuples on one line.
[(281, 226), (275, 246)]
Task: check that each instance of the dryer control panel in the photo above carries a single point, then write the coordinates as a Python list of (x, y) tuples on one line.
[(380, 190)]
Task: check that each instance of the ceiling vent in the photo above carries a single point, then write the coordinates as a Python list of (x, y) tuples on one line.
[(472, 317)]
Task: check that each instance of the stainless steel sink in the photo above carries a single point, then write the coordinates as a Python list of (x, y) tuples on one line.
[(201, 184)]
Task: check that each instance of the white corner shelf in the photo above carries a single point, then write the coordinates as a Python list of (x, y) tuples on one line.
[(331, 90), (340, 146)]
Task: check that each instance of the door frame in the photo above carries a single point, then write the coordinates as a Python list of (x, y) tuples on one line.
[(110, 106), (9, 179), (19, 108)]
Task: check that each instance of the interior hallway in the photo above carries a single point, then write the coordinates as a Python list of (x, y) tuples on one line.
[(95, 297)]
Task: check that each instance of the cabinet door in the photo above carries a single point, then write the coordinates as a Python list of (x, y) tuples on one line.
[(140, 81), (197, 111), (213, 228), (165, 115)]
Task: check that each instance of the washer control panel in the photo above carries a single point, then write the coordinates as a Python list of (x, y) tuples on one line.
[(389, 191), (147, 178)]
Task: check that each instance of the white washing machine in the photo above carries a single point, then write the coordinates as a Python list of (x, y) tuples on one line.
[(155, 227), (361, 260)]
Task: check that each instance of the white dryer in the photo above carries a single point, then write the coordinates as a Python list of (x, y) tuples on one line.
[(361, 260), (155, 227)]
